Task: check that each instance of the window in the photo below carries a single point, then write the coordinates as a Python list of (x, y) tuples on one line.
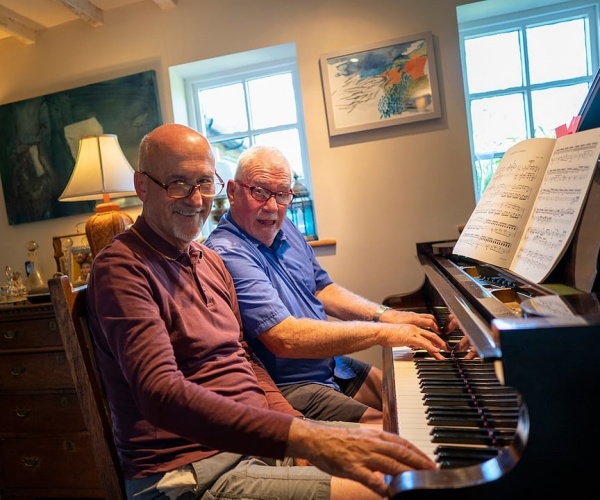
[(248, 99), (524, 75)]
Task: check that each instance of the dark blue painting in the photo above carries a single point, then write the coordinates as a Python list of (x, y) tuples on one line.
[(39, 138)]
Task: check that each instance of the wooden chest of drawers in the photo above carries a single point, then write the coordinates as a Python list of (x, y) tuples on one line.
[(44, 446)]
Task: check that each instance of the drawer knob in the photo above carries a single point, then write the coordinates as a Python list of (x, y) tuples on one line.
[(10, 334), (22, 412), (16, 371), (30, 462)]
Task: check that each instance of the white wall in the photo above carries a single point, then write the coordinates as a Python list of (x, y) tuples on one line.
[(377, 193)]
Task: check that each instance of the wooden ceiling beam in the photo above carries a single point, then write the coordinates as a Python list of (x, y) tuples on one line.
[(166, 4), (10, 22), (25, 29), (85, 10)]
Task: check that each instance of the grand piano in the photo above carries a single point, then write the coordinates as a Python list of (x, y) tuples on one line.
[(519, 417)]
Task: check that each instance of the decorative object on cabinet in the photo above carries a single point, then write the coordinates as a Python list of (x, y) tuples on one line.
[(101, 172), (40, 138), (14, 291), (301, 212), (70, 310), (80, 264), (381, 84), (35, 282), (61, 246), (45, 447)]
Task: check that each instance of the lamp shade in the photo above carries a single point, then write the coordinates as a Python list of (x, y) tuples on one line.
[(101, 171)]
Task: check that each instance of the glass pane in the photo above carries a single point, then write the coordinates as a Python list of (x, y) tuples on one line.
[(231, 149), (224, 109), (289, 144), (557, 51), (498, 123), (272, 101), (555, 107), (483, 171), (493, 62)]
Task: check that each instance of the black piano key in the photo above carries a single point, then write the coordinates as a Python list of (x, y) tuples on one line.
[(440, 371), (465, 412), (444, 371), (433, 371), (482, 453), (474, 421), (471, 436), (500, 400), (461, 389), (454, 463), (456, 456), (475, 387), (460, 383), (469, 415), (462, 362), (442, 367)]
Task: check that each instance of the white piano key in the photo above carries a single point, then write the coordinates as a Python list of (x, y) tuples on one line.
[(412, 421)]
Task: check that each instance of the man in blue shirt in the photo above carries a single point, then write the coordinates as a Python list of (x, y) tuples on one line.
[(285, 297)]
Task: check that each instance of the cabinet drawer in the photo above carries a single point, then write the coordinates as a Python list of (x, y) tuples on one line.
[(62, 462), (38, 332), (22, 372), (40, 413)]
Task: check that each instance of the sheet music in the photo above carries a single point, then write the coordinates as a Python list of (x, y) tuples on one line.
[(558, 205), (528, 213), (498, 221)]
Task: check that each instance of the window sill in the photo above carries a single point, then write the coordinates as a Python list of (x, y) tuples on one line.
[(323, 243)]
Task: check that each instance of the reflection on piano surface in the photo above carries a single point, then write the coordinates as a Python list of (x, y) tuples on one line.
[(515, 418)]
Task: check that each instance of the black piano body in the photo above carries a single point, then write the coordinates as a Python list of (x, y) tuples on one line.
[(542, 340), (547, 356)]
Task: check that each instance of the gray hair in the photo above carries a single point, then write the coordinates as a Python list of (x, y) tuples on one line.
[(259, 154)]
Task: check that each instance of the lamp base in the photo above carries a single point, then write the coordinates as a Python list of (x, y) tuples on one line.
[(107, 222)]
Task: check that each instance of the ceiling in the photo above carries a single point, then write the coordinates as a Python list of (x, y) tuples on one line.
[(22, 19)]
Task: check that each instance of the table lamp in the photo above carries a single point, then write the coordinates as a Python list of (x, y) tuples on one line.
[(101, 171)]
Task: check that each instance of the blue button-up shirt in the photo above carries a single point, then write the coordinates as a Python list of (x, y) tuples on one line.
[(273, 283)]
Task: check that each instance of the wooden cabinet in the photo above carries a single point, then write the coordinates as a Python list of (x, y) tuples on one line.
[(45, 450)]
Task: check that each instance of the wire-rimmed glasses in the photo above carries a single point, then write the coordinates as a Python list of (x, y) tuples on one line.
[(178, 189), (263, 194)]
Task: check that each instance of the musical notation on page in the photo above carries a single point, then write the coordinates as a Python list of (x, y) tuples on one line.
[(527, 215)]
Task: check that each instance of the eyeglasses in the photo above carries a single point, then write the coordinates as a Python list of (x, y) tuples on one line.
[(264, 194), (178, 189)]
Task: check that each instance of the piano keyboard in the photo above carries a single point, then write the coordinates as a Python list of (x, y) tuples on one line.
[(455, 410)]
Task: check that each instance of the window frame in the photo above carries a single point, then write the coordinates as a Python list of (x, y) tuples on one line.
[(521, 21), (242, 74)]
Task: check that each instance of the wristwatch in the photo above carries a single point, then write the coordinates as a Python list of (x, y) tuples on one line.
[(380, 310)]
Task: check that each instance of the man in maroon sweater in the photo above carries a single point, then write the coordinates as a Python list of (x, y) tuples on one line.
[(195, 414)]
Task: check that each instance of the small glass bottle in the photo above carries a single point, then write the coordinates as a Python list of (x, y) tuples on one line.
[(34, 279)]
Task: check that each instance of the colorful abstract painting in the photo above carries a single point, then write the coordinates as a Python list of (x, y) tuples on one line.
[(383, 84)]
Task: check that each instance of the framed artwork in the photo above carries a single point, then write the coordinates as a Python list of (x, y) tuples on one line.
[(61, 246), (80, 263), (381, 84), (39, 140)]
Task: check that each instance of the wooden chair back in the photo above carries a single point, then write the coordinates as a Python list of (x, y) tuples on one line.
[(70, 310)]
